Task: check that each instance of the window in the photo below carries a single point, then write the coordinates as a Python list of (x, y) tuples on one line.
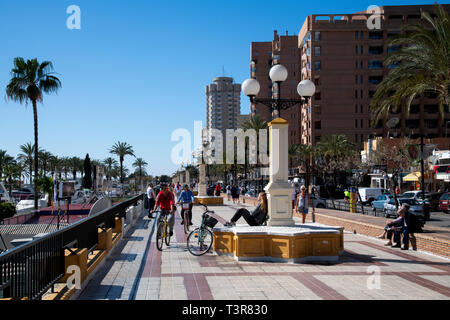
[(362, 35), (362, 138), (362, 64), (317, 51), (362, 109), (317, 96), (356, 138), (356, 64), (356, 79), (362, 49), (356, 123), (308, 66), (356, 108), (317, 36), (308, 52), (362, 79), (317, 125), (356, 49), (356, 35), (317, 109), (362, 125), (376, 35), (317, 65), (356, 93), (375, 64)]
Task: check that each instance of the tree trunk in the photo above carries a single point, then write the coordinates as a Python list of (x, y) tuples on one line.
[(36, 148), (121, 170)]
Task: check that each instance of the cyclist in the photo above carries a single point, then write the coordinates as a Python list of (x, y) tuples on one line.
[(188, 197), (166, 202)]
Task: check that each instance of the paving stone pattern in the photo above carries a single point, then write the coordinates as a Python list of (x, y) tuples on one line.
[(138, 271)]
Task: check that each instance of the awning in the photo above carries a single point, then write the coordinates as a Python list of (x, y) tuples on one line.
[(415, 177)]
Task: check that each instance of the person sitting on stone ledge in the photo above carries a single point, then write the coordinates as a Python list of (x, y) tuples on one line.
[(255, 218), (391, 227)]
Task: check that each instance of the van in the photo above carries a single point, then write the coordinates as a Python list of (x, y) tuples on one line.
[(370, 194)]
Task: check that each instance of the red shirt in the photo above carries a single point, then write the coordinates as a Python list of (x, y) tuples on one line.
[(164, 202), (218, 187)]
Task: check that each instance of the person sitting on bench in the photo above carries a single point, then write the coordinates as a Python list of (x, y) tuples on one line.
[(255, 218)]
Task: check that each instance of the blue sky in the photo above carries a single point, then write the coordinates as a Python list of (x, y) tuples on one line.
[(136, 70)]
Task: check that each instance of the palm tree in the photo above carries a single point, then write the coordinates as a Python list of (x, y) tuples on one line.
[(27, 157), (121, 149), (74, 165), (45, 157), (4, 160), (110, 163), (30, 80), (293, 154), (420, 66), (333, 149), (140, 165), (256, 123)]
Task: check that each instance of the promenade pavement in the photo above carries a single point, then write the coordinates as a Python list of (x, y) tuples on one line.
[(136, 270)]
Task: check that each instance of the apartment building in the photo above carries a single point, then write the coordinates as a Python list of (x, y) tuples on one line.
[(344, 58), (283, 49), (223, 104)]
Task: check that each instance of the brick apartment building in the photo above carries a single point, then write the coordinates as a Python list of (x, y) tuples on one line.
[(281, 50), (344, 58)]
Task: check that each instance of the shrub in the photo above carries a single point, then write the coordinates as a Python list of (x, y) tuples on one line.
[(7, 210)]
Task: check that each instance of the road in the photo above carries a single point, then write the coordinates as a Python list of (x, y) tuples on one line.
[(438, 219)]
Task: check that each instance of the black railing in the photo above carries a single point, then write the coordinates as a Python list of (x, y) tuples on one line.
[(33, 268)]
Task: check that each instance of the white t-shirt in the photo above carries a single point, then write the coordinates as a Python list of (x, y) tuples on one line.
[(150, 193)]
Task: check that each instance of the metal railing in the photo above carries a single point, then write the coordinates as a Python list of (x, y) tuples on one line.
[(19, 219), (33, 268)]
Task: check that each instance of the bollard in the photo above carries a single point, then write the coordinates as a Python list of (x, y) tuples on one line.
[(104, 239)]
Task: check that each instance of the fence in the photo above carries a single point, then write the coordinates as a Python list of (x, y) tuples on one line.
[(33, 268)]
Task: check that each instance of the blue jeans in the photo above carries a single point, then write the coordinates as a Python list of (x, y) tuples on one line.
[(405, 240)]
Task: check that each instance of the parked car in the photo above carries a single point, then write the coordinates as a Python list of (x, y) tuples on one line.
[(444, 202), (415, 208), (368, 195), (378, 204), (318, 202)]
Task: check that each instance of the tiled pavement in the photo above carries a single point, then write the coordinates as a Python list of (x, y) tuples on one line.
[(137, 270)]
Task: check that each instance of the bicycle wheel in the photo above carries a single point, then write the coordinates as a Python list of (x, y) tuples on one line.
[(186, 221), (199, 241), (160, 235), (167, 238)]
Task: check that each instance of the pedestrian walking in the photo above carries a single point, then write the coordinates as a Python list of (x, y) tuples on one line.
[(151, 199)]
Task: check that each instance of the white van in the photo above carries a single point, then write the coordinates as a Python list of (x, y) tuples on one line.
[(370, 194)]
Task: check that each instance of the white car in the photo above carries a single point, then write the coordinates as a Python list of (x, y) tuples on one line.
[(370, 194)]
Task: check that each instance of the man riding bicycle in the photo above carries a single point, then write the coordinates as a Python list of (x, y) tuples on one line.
[(166, 202), (187, 197)]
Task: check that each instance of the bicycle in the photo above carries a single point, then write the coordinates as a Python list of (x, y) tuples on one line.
[(162, 233), (200, 240), (185, 210)]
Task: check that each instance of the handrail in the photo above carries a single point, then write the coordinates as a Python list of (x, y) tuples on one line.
[(34, 267)]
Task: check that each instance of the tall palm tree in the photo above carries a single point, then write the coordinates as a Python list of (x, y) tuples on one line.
[(293, 154), (27, 156), (420, 66), (30, 80), (140, 165), (121, 149), (110, 163)]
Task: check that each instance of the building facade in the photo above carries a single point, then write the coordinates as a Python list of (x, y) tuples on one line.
[(344, 58), (223, 104), (281, 50)]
